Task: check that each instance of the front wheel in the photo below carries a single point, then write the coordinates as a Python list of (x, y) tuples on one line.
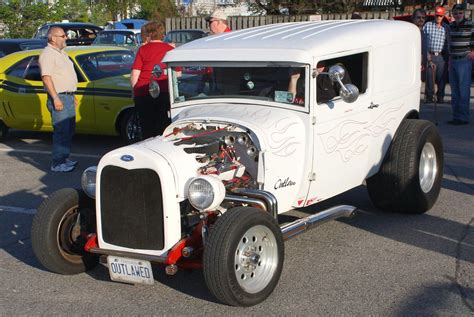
[(243, 257), (409, 179), (60, 229)]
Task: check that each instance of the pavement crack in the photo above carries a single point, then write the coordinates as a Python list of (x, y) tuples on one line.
[(457, 274)]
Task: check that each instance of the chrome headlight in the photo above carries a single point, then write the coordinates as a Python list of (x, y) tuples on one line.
[(88, 181), (206, 192)]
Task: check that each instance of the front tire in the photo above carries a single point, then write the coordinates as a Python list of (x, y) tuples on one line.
[(60, 229), (409, 180), (243, 257), (130, 130)]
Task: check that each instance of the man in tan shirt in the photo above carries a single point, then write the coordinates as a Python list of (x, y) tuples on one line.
[(60, 82)]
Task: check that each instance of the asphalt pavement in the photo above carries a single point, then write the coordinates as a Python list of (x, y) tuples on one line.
[(376, 263)]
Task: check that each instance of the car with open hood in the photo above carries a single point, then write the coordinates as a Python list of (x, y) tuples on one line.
[(264, 120)]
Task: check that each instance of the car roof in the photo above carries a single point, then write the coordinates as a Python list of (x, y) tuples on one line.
[(72, 24), (135, 31), (293, 42), (72, 50), (19, 41)]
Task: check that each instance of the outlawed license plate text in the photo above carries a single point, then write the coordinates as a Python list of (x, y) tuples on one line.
[(130, 270)]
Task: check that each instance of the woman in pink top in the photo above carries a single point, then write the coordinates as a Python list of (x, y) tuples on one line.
[(152, 112)]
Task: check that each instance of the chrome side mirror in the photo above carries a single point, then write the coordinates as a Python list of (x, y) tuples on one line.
[(154, 89), (157, 71), (349, 92)]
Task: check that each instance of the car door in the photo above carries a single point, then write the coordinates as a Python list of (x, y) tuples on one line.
[(342, 135), (109, 83), (26, 97)]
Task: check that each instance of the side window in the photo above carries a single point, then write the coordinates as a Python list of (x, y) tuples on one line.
[(19, 69), (106, 64), (42, 33), (33, 71), (356, 73)]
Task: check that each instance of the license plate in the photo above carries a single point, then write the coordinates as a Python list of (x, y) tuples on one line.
[(130, 270)]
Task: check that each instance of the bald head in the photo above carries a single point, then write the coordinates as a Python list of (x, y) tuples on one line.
[(57, 37)]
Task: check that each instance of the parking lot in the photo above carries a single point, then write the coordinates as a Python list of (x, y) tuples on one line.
[(376, 263)]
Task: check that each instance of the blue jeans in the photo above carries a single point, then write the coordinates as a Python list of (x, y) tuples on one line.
[(439, 76), (64, 125), (460, 81)]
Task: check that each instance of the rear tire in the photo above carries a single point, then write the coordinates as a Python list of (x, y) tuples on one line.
[(59, 232), (409, 180), (3, 130), (243, 257), (130, 130)]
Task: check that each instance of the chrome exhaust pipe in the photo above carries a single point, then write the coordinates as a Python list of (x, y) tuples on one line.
[(299, 226)]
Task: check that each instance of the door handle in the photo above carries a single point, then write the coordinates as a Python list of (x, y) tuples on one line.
[(373, 105)]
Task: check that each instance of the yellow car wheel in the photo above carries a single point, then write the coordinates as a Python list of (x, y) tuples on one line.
[(130, 129), (3, 130)]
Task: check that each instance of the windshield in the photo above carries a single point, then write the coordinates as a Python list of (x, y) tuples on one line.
[(281, 84), (106, 64)]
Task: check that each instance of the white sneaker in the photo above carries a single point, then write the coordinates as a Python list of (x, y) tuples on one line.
[(71, 162), (62, 168)]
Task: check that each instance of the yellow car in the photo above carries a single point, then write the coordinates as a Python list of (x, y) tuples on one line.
[(103, 92)]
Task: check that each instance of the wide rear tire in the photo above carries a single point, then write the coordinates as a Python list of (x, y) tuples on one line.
[(409, 180), (59, 232), (243, 257)]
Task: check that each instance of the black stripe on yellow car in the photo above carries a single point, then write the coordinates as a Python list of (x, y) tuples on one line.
[(28, 89)]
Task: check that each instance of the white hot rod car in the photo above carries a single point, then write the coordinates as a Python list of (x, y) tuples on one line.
[(264, 120)]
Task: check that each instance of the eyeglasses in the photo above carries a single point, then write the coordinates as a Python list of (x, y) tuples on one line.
[(458, 13), (420, 17), (439, 16), (63, 36)]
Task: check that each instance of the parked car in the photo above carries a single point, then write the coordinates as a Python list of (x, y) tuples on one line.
[(77, 33), (244, 148), (180, 37), (131, 38), (8, 46), (104, 94)]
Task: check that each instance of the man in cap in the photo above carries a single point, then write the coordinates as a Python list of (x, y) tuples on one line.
[(461, 53), (218, 22), (437, 41)]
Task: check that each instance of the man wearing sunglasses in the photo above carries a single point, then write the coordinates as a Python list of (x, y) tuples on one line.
[(218, 22), (437, 39), (418, 18), (461, 53), (60, 81)]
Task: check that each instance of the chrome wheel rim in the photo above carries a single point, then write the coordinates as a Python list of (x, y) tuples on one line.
[(256, 259), (133, 128), (428, 169)]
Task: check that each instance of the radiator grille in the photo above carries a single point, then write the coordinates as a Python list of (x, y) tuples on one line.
[(131, 205)]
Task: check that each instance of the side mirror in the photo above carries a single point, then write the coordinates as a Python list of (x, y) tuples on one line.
[(154, 89), (349, 92), (157, 71)]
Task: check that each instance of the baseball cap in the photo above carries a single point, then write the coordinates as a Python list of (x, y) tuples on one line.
[(217, 14), (440, 11), (458, 6)]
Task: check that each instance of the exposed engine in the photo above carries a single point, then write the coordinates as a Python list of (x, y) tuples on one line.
[(224, 150)]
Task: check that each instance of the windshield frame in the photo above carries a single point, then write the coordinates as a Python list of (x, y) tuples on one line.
[(239, 100)]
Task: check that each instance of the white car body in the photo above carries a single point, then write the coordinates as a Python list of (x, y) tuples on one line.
[(307, 154), (264, 120)]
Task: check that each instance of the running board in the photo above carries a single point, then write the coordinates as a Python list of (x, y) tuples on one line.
[(299, 226)]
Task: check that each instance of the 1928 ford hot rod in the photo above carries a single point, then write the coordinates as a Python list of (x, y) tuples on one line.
[(264, 120)]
